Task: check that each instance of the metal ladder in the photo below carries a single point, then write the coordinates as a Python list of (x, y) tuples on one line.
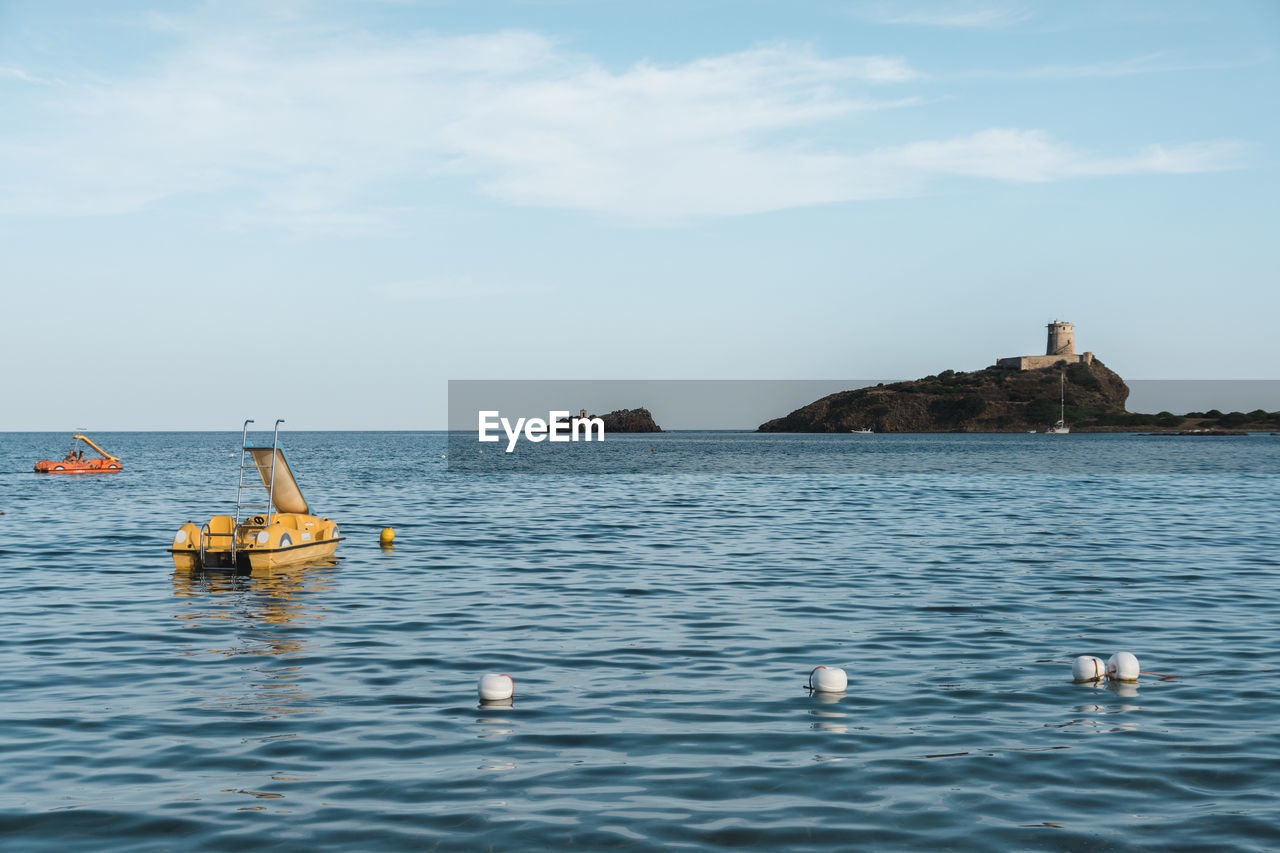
[(254, 483)]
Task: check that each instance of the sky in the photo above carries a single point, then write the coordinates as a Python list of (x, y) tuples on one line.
[(324, 211)]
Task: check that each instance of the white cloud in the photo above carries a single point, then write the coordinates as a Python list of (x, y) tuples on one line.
[(308, 132)]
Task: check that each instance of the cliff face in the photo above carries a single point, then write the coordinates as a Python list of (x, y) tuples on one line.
[(992, 400)]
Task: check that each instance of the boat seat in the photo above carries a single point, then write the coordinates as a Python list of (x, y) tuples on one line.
[(221, 524)]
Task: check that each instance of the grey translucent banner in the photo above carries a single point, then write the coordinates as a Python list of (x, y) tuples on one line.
[(1181, 396), (676, 404), (509, 426)]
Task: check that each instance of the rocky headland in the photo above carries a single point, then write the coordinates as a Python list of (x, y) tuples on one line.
[(1004, 399), (996, 399)]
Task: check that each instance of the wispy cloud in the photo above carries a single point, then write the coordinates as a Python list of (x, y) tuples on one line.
[(449, 289), (307, 131), (1031, 156), (948, 15), (1151, 63), (19, 74)]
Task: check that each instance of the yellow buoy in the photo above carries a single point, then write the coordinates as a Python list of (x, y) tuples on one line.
[(387, 536)]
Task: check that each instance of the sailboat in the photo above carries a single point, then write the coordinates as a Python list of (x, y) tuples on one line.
[(1061, 428)]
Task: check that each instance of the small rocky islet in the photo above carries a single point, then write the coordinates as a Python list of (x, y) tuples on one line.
[(624, 420)]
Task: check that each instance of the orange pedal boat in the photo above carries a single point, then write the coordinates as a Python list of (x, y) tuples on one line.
[(75, 463)]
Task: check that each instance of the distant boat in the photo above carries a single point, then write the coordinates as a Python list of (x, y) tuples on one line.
[(75, 463), (1061, 428), (863, 431)]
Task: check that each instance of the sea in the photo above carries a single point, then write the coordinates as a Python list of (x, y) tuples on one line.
[(660, 624)]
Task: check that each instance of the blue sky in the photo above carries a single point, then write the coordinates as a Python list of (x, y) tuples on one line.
[(325, 210)]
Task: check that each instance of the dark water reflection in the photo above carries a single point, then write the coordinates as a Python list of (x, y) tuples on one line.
[(269, 610)]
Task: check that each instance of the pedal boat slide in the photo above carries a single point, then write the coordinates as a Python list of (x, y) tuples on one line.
[(75, 463), (283, 531)]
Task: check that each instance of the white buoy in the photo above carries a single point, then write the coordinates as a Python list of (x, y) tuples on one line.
[(495, 687), (1088, 668), (1122, 667), (828, 679)]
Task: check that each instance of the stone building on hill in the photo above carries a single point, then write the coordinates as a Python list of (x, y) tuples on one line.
[(1061, 347)]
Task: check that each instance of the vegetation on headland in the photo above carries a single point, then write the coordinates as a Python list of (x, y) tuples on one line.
[(1258, 419), (999, 399)]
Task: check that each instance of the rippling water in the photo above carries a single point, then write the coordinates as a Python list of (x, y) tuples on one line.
[(660, 628)]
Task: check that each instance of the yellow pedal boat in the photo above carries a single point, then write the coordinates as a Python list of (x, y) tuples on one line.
[(280, 531)]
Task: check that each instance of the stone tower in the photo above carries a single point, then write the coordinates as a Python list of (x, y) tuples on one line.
[(1062, 347), (1062, 339)]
